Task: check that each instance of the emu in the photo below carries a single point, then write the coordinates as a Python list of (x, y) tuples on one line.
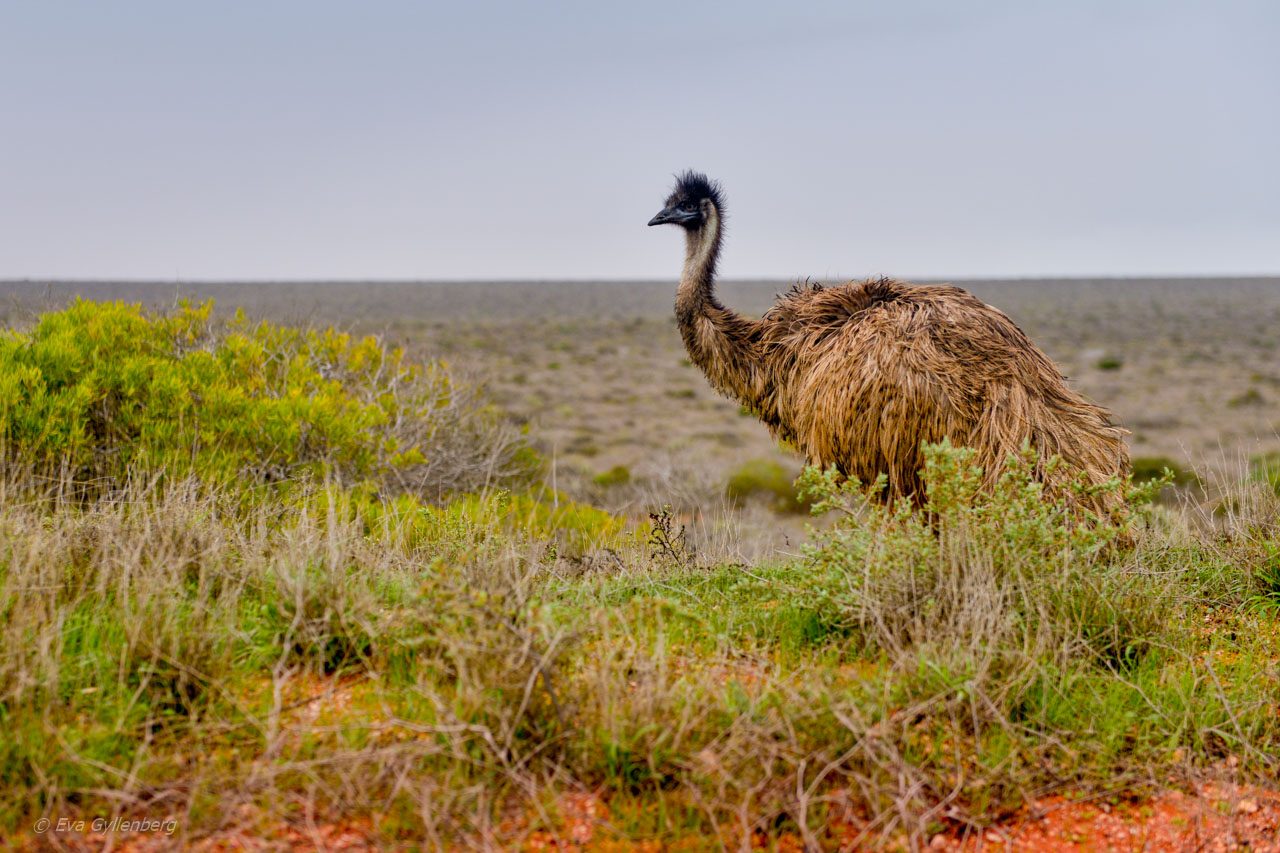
[(860, 375)]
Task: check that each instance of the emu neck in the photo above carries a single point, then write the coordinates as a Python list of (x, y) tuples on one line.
[(697, 281), (723, 343)]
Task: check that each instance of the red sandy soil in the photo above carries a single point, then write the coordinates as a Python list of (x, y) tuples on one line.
[(1209, 817)]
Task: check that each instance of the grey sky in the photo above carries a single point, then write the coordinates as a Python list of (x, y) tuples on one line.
[(273, 139)]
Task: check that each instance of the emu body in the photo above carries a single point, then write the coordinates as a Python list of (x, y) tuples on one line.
[(859, 376)]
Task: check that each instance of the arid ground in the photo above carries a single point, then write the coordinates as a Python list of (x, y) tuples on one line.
[(1021, 686), (596, 369)]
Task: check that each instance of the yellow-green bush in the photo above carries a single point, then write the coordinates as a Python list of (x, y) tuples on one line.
[(101, 392), (618, 475), (766, 478), (542, 516)]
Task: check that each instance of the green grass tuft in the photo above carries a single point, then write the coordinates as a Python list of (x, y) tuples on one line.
[(1265, 468)]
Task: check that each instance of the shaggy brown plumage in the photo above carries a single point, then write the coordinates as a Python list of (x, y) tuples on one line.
[(861, 375)]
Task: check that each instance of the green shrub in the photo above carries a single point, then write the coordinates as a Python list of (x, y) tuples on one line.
[(987, 581), (1252, 397), (101, 392), (1149, 468), (767, 478), (618, 475), (572, 527), (1110, 362)]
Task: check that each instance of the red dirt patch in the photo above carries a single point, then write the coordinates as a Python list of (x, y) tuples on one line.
[(1213, 816), (581, 814)]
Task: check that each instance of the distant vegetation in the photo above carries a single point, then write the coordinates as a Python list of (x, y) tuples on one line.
[(1252, 397), (1149, 468), (253, 575), (1266, 468), (618, 475), (768, 479), (1110, 362)]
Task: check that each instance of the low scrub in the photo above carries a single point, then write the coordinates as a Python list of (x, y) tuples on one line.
[(161, 631), (618, 475), (767, 479), (982, 581), (102, 392), (467, 672), (447, 668)]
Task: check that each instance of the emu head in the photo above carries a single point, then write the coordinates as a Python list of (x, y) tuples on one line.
[(691, 202)]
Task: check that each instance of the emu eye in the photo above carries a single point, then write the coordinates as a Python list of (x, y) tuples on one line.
[(688, 205)]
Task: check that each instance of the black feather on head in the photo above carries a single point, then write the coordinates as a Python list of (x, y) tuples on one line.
[(695, 186)]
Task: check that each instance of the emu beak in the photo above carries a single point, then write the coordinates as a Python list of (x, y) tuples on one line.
[(673, 214)]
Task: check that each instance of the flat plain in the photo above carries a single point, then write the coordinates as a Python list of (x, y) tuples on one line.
[(598, 373)]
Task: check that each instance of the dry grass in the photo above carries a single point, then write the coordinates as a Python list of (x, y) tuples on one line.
[(166, 655), (323, 664)]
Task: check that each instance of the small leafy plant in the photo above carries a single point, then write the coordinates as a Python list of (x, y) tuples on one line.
[(987, 580)]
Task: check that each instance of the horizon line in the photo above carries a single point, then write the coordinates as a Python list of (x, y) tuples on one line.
[(1199, 276)]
